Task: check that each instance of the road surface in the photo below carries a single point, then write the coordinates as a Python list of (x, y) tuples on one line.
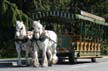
[(82, 65)]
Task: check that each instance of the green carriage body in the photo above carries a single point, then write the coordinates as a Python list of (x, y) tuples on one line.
[(72, 44)]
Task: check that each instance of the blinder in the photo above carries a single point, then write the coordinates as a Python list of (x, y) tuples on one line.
[(41, 38)]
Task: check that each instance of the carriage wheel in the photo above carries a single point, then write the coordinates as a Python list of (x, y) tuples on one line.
[(60, 60), (93, 59), (72, 60)]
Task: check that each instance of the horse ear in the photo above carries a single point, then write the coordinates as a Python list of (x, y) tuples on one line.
[(44, 27), (39, 21), (17, 21), (22, 22), (36, 21)]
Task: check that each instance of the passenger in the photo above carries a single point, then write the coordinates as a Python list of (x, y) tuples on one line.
[(66, 32)]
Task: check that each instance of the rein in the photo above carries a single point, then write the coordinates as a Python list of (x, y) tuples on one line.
[(51, 39)]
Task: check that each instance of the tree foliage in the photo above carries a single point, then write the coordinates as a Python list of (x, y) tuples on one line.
[(12, 10), (9, 13)]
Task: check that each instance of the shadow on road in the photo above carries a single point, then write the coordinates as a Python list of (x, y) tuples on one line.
[(79, 62), (9, 63)]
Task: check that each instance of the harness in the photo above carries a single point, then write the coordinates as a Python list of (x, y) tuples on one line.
[(42, 38), (25, 39), (22, 41)]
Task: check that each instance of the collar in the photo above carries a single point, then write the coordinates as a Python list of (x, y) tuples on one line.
[(41, 38), (25, 39)]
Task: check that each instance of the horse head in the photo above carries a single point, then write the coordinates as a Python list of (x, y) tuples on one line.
[(20, 30), (38, 29)]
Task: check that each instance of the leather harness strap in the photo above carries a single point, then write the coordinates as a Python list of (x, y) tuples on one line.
[(42, 38)]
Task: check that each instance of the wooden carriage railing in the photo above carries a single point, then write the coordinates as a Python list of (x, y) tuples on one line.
[(84, 47), (87, 46)]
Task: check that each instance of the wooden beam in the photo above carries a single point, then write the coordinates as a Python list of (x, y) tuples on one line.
[(91, 19), (92, 16)]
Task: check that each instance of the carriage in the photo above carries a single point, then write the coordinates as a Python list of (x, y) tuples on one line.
[(79, 34)]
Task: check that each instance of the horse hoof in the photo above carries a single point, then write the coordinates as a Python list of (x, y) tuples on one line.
[(19, 64), (45, 65), (27, 64), (55, 60), (35, 65), (50, 63)]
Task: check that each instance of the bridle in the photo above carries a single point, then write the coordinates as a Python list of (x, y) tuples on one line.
[(23, 40), (42, 36)]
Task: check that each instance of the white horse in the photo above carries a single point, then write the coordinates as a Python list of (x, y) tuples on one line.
[(22, 41), (45, 40)]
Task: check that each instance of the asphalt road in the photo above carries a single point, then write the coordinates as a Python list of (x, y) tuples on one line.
[(82, 65)]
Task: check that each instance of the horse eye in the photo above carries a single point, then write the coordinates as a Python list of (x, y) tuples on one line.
[(21, 28)]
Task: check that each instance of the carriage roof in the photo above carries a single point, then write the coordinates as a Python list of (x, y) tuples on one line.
[(72, 16)]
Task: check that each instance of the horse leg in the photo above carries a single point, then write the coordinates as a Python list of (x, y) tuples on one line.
[(49, 57), (19, 53), (26, 56), (35, 57), (19, 57), (44, 57), (54, 57)]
